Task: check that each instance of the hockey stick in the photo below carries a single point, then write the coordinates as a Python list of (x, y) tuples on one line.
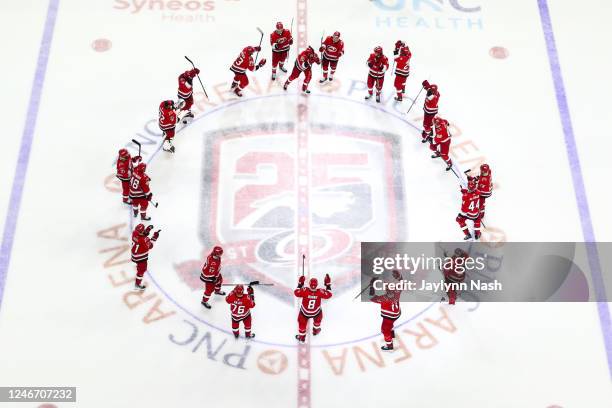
[(253, 283), (322, 36), (360, 293), (290, 31), (137, 143), (260, 40), (303, 260), (415, 99), (198, 75)]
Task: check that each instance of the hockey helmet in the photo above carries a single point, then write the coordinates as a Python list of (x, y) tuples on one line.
[(313, 283), (239, 290), (405, 51), (140, 229), (279, 26), (217, 251), (123, 153), (336, 35), (378, 50), (169, 104), (471, 185), (484, 169), (433, 88), (460, 253), (140, 169), (248, 50)]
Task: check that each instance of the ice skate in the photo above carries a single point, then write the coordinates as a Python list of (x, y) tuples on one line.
[(250, 336), (286, 85), (377, 98), (273, 77), (467, 237), (299, 338), (449, 166), (398, 98), (282, 68), (322, 80), (316, 331), (187, 118), (435, 155), (206, 305), (168, 146), (139, 288), (219, 292), (368, 97), (135, 213), (306, 91), (143, 217), (387, 347)]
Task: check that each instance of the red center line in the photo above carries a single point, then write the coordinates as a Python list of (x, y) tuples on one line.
[(302, 234)]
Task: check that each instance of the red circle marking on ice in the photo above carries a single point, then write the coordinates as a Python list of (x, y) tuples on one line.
[(499, 52), (101, 44)]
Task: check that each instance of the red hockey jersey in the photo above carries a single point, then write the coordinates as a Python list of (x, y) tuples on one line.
[(442, 133), (139, 186), (332, 51), (185, 84), (311, 300), (211, 269), (124, 168), (243, 63), (240, 306), (140, 247), (470, 203), (431, 103), (402, 65), (305, 60), (485, 187), (281, 42), (389, 304), (378, 65), (167, 118)]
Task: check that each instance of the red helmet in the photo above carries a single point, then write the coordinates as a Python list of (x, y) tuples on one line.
[(484, 169), (248, 50), (169, 104), (471, 185), (140, 229), (140, 169), (405, 51), (217, 251), (310, 50), (123, 153), (337, 34), (433, 88), (279, 26), (378, 50), (460, 253), (239, 289), (313, 283)]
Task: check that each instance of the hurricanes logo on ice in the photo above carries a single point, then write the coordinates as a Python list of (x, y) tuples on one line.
[(249, 199)]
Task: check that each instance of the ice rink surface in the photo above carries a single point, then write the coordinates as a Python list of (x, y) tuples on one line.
[(274, 175)]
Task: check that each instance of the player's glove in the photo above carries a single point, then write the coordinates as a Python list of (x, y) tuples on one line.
[(195, 71), (147, 230), (327, 279), (291, 41), (398, 44), (396, 274), (372, 290), (301, 281), (257, 48), (321, 48), (426, 84), (155, 235), (260, 64), (136, 159), (149, 196)]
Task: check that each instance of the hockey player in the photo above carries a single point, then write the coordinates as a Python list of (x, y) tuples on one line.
[(470, 210), (430, 109), (378, 64), (485, 187), (311, 305), (240, 308), (167, 123), (402, 70), (280, 40), (389, 310), (185, 94), (211, 275), (332, 49), (440, 144), (141, 244), (125, 166), (140, 193), (303, 63), (241, 65), (454, 274)]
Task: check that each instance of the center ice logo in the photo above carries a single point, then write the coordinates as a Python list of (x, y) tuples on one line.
[(249, 200)]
